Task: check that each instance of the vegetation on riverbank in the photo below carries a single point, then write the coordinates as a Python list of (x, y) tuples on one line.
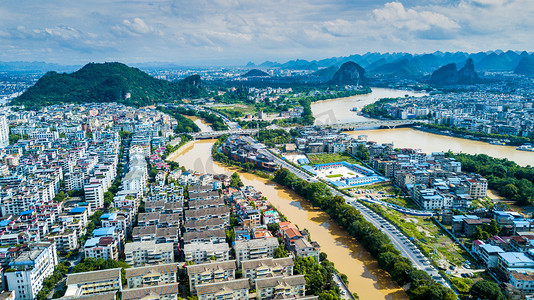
[(216, 122), (506, 177), (376, 242), (184, 125), (514, 139)]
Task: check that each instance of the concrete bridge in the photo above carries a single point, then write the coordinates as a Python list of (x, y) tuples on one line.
[(217, 134), (374, 123), (342, 126)]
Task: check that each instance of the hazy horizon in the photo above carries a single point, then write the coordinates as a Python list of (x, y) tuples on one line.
[(232, 33)]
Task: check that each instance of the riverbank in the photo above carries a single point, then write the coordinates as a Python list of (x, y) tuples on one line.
[(430, 142), (340, 110), (364, 275)]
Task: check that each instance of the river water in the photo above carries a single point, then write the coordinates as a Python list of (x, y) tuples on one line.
[(340, 110), (429, 142), (365, 278), (201, 123)]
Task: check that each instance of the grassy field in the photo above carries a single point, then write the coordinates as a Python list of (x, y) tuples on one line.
[(430, 237), (324, 158), (334, 175), (245, 109)]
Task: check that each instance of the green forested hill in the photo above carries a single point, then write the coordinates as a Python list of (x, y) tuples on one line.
[(107, 82)]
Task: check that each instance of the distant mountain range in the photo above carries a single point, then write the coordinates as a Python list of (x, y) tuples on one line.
[(405, 64), (107, 82)]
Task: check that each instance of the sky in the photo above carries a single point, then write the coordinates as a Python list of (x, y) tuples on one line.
[(234, 32)]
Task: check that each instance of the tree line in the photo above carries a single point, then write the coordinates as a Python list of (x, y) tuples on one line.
[(422, 286)]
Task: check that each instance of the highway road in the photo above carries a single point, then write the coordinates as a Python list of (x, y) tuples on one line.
[(406, 247)]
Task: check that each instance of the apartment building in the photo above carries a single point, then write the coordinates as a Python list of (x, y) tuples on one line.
[(210, 272), (30, 269), (148, 253), (151, 275), (254, 249)]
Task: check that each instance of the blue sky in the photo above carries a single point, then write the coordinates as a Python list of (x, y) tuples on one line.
[(233, 32)]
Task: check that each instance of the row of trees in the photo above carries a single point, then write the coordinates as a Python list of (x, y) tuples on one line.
[(50, 282), (375, 241), (509, 179), (319, 277)]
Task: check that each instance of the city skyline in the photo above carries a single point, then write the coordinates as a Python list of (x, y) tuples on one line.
[(235, 32)]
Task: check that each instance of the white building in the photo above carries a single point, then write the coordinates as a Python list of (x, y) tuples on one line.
[(94, 195), (254, 249), (199, 252), (148, 252), (4, 132), (105, 247), (30, 269)]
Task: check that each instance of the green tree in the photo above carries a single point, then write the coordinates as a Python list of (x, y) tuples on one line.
[(280, 252), (486, 290), (235, 181)]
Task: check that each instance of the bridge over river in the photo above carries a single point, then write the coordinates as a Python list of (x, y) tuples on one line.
[(342, 126)]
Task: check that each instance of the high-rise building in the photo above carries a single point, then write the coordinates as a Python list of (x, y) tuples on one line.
[(4, 132)]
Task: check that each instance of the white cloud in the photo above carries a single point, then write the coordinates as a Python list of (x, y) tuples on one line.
[(394, 14), (243, 30)]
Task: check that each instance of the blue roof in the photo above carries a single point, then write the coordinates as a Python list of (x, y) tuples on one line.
[(27, 212), (105, 231), (111, 216), (92, 242), (4, 223), (78, 210), (516, 258)]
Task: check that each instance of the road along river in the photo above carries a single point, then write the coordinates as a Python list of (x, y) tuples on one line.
[(364, 275)]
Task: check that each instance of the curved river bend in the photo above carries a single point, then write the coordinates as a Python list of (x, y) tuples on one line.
[(365, 278)]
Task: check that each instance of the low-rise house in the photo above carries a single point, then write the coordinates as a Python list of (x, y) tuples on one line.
[(523, 281), (267, 267), (144, 233), (169, 220), (254, 249), (280, 287), (515, 260), (209, 236), (146, 219), (162, 292), (202, 252), (210, 272), (489, 254), (95, 282), (228, 290), (105, 247), (151, 275), (208, 213), (148, 253), (201, 225), (304, 248)]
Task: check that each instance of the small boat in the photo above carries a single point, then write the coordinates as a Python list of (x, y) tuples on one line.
[(526, 147), (354, 109)]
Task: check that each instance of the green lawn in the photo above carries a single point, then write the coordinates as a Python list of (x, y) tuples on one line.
[(334, 175), (324, 158)]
